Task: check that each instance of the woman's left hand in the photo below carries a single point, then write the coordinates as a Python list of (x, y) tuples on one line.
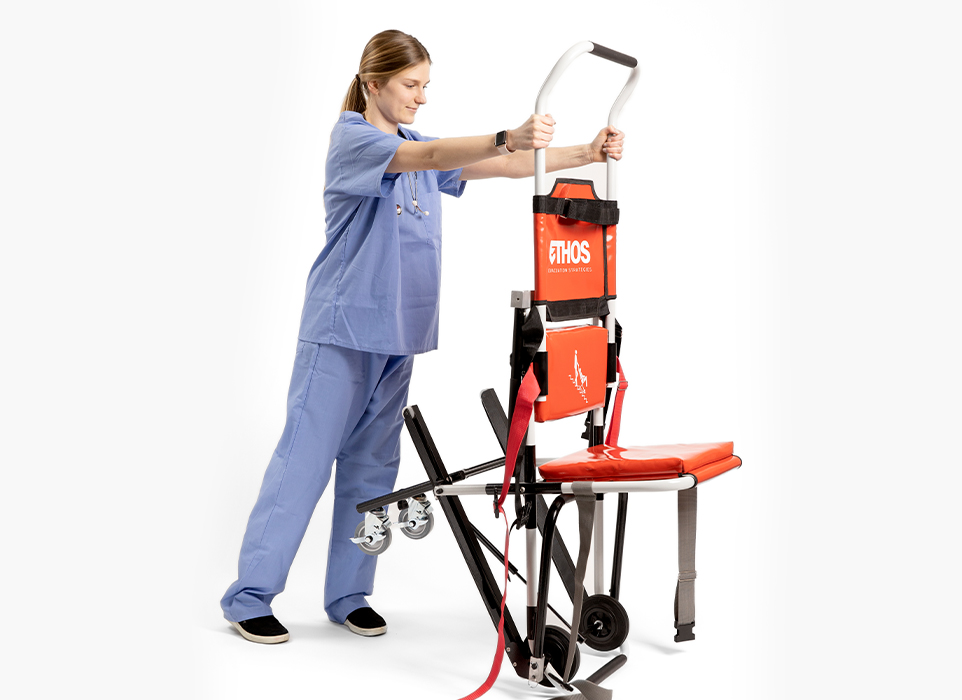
[(609, 142)]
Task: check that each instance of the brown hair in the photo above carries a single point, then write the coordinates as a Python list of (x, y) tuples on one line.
[(385, 55)]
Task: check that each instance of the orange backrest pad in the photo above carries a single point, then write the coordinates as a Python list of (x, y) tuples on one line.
[(570, 255), (577, 360)]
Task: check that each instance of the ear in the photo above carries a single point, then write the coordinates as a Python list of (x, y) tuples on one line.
[(372, 87)]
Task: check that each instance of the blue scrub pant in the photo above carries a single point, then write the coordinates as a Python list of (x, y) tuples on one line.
[(343, 405)]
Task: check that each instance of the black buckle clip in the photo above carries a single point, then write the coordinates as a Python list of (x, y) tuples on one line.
[(686, 633), (523, 516)]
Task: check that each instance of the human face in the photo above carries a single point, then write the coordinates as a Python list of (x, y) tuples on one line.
[(397, 101)]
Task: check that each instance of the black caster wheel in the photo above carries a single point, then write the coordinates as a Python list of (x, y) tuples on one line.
[(372, 548), (604, 623), (420, 531), (556, 653)]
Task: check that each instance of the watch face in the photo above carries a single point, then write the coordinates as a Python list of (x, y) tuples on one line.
[(501, 139)]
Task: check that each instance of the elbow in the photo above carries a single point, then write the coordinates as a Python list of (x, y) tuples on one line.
[(431, 158)]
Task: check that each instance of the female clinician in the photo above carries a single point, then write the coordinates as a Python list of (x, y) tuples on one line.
[(371, 305)]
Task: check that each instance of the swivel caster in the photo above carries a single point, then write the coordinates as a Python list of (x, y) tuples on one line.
[(373, 534), (415, 518), (420, 529), (368, 544)]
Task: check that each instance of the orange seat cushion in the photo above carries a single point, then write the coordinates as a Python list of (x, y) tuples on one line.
[(607, 463)]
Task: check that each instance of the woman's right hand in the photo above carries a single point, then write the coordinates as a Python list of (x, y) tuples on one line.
[(537, 132)]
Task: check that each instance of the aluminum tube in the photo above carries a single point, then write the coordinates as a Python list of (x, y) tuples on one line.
[(611, 189), (599, 545), (610, 319), (685, 481), (541, 106)]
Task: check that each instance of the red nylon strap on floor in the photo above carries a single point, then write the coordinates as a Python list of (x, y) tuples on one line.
[(615, 426), (527, 395)]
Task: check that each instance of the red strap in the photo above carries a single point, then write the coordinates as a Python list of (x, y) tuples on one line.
[(615, 426), (527, 395)]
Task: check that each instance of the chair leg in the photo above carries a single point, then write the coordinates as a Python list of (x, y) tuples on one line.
[(461, 527)]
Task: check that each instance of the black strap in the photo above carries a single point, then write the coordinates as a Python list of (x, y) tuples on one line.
[(532, 333), (571, 309), (592, 211)]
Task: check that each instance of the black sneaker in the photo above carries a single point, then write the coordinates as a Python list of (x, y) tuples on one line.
[(366, 623), (263, 630)]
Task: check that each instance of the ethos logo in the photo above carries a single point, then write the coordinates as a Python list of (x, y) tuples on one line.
[(568, 252), (579, 379)]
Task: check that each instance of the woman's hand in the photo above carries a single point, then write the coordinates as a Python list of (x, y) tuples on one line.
[(537, 132), (609, 142)]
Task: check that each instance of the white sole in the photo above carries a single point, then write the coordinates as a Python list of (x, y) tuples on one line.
[(259, 639), (366, 632)]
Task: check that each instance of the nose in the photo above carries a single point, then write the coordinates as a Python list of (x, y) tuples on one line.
[(421, 98)]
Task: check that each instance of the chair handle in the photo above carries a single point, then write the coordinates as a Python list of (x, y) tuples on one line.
[(541, 104)]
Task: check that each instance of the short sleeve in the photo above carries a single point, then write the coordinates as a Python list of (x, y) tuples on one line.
[(450, 182), (362, 153)]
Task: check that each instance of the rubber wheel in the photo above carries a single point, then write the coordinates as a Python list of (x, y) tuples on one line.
[(556, 653), (604, 623), (419, 532), (372, 548)]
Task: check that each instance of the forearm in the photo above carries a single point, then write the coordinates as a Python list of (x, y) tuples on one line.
[(521, 163), (442, 154), (470, 151)]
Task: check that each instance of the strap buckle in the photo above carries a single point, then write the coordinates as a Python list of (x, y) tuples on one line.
[(686, 633)]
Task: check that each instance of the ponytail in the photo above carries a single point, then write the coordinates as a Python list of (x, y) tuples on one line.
[(355, 100), (386, 54)]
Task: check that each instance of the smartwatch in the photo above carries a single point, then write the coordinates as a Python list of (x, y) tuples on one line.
[(501, 143)]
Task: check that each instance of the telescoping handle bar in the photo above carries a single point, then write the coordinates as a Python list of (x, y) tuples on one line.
[(541, 104)]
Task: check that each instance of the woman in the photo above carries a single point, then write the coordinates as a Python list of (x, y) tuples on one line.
[(371, 305)]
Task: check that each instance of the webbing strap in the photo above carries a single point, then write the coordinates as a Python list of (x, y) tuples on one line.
[(527, 394), (592, 211), (589, 691), (685, 589), (614, 427), (586, 518)]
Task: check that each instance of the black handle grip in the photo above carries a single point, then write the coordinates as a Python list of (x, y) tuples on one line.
[(614, 56)]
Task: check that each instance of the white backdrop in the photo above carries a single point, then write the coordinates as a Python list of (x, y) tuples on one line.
[(787, 281)]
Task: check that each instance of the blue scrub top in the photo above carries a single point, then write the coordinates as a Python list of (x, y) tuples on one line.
[(376, 284)]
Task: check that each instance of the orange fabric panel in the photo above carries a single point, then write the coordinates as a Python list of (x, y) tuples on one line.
[(607, 463), (569, 254), (577, 369)]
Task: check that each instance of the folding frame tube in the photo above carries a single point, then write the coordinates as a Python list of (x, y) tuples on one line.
[(541, 617), (619, 545), (424, 487), (464, 535), (499, 555), (599, 544), (541, 103), (563, 563), (684, 481)]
